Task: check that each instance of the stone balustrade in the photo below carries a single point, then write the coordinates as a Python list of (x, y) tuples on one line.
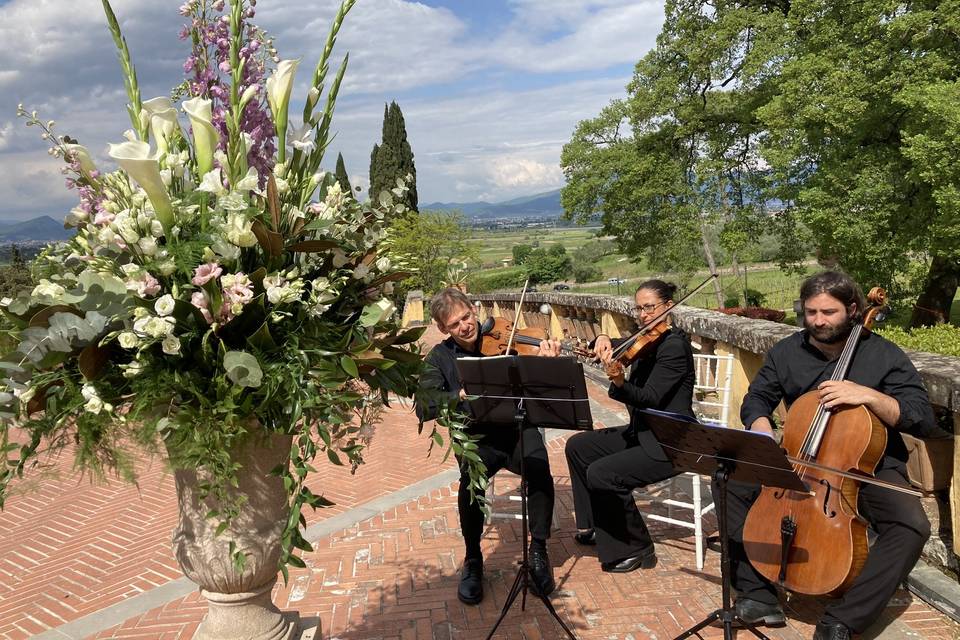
[(581, 317)]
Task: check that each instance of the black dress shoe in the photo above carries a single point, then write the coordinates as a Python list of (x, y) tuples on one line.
[(541, 574), (588, 537), (837, 631), (754, 612), (470, 590), (646, 559)]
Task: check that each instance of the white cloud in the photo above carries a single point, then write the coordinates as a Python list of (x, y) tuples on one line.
[(511, 172)]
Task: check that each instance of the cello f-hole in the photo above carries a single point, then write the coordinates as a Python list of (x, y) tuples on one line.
[(826, 499)]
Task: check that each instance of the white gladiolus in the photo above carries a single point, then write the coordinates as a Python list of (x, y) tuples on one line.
[(164, 305), (239, 231), (279, 86), (212, 183), (148, 246), (249, 182)]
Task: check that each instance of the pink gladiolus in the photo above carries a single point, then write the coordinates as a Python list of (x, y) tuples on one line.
[(205, 273)]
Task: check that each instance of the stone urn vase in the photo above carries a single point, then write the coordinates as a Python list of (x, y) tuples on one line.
[(240, 605)]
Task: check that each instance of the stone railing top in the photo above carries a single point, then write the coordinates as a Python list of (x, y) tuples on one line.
[(941, 374)]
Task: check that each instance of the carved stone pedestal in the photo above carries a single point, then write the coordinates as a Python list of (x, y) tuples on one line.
[(240, 606)]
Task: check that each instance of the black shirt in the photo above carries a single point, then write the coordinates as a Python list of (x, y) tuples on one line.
[(663, 380), (440, 383), (794, 366)]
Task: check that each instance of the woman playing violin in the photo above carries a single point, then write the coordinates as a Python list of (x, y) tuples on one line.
[(606, 465), (882, 379)]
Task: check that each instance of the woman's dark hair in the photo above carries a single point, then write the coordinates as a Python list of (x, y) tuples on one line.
[(664, 290), (836, 285)]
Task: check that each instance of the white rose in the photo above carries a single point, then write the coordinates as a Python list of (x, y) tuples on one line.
[(159, 327), (164, 305), (171, 345), (128, 340), (132, 370), (156, 229), (383, 263), (130, 269), (47, 288), (167, 267), (88, 391), (94, 405), (361, 271)]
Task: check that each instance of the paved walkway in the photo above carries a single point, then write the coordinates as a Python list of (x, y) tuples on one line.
[(83, 560)]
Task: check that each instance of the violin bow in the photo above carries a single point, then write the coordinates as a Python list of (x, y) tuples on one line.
[(516, 321)]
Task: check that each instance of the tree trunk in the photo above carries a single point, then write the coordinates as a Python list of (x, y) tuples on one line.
[(933, 305), (712, 264)]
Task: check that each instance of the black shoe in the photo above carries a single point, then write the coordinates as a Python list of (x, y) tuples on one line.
[(470, 590), (541, 574), (588, 537), (837, 631), (646, 559), (754, 612)]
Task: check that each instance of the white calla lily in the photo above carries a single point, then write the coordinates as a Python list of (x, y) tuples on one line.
[(205, 136), (162, 120), (141, 165), (279, 86), (82, 157)]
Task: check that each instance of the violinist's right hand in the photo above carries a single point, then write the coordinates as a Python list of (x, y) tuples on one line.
[(603, 348), (463, 393)]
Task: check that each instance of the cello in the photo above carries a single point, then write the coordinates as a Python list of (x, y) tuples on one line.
[(815, 542)]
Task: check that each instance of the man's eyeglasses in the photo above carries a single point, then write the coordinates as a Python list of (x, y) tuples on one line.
[(647, 308)]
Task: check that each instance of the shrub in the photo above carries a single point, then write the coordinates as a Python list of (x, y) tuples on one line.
[(754, 298), (943, 338), (731, 301)]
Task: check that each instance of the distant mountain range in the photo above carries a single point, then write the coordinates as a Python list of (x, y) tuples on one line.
[(540, 205), (42, 229)]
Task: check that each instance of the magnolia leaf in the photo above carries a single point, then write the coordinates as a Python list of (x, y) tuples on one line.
[(273, 202), (270, 241), (262, 339), (242, 368), (391, 277), (377, 312), (349, 366), (370, 257), (93, 360), (313, 246)]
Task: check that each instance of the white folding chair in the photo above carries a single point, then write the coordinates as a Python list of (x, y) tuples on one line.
[(711, 403)]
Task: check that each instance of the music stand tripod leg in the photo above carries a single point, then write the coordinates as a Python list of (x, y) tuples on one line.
[(521, 582), (726, 614)]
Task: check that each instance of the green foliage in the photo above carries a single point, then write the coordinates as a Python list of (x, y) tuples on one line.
[(586, 272), (548, 265), (429, 242), (943, 338), (496, 279), (341, 174), (754, 298), (521, 252), (392, 159)]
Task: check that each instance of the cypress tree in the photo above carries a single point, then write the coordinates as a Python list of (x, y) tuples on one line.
[(393, 157), (341, 174)]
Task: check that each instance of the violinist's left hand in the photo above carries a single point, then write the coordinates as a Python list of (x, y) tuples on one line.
[(549, 348)]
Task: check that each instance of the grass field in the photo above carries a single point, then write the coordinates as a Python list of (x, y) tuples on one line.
[(494, 246)]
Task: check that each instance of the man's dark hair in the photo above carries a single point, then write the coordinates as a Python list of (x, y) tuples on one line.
[(836, 285)]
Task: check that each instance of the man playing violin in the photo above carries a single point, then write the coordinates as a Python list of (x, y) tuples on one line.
[(881, 378), (606, 465), (498, 447)]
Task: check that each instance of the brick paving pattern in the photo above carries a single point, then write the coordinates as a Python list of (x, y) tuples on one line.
[(70, 548)]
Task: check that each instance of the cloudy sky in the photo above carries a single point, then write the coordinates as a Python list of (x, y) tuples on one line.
[(490, 89)]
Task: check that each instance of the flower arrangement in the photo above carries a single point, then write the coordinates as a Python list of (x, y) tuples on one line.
[(217, 276)]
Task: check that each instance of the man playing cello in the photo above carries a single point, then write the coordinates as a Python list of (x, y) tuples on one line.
[(882, 379)]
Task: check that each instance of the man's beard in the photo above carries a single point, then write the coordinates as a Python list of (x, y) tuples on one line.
[(829, 335)]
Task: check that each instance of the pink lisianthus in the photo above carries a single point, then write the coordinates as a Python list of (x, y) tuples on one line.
[(103, 218), (145, 285), (199, 300), (205, 273)]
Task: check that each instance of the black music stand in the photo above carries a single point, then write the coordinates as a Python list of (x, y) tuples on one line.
[(725, 454), (526, 391)]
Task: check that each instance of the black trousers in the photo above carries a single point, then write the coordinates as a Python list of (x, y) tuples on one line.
[(605, 467), (902, 529), (500, 449)]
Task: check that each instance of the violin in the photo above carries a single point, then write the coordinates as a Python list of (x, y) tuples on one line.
[(816, 542), (495, 339)]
